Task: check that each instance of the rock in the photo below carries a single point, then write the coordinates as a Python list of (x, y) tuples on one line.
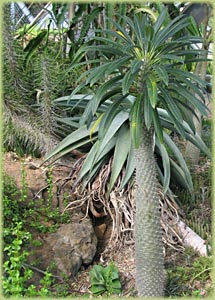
[(36, 179), (67, 249), (72, 245)]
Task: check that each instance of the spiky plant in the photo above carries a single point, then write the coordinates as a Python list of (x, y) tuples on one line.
[(25, 129), (143, 59)]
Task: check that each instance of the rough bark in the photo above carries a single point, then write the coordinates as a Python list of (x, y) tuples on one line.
[(148, 234)]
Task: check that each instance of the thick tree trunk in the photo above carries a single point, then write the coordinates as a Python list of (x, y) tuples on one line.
[(148, 234)]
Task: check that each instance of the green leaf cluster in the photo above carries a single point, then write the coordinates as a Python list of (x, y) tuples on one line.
[(112, 135), (105, 280), (140, 80), (16, 273), (187, 278)]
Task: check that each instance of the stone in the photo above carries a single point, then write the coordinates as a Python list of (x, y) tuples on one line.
[(67, 249), (73, 245), (36, 179)]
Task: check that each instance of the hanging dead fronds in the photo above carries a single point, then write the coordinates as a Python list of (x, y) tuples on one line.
[(119, 206)]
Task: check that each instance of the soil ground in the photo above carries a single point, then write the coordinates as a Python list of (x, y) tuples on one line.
[(124, 259)]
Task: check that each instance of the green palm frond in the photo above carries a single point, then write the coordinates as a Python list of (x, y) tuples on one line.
[(109, 133), (141, 79)]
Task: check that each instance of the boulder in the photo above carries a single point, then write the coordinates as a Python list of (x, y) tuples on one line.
[(66, 250), (73, 245)]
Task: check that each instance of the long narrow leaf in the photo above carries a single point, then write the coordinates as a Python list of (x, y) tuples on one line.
[(103, 89), (173, 111), (117, 122), (135, 121), (166, 165), (71, 139), (162, 73), (130, 76), (199, 143), (152, 91), (129, 170), (120, 154), (68, 149), (160, 20), (179, 177), (110, 114), (179, 158), (181, 90), (147, 111), (90, 164), (172, 28), (157, 125)]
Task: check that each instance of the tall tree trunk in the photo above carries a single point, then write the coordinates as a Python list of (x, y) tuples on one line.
[(148, 233)]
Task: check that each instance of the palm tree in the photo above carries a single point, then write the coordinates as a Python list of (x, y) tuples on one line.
[(143, 60)]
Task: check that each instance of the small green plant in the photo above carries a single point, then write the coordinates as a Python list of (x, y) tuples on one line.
[(62, 288), (24, 186), (15, 276), (12, 211), (50, 186), (105, 280), (37, 243), (191, 277), (16, 273), (39, 217), (45, 282)]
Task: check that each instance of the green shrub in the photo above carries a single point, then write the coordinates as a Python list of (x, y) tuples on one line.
[(105, 280), (190, 278), (16, 272), (15, 276)]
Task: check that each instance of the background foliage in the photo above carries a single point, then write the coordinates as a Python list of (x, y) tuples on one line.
[(47, 107)]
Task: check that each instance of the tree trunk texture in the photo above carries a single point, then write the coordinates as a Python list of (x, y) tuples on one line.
[(148, 233)]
